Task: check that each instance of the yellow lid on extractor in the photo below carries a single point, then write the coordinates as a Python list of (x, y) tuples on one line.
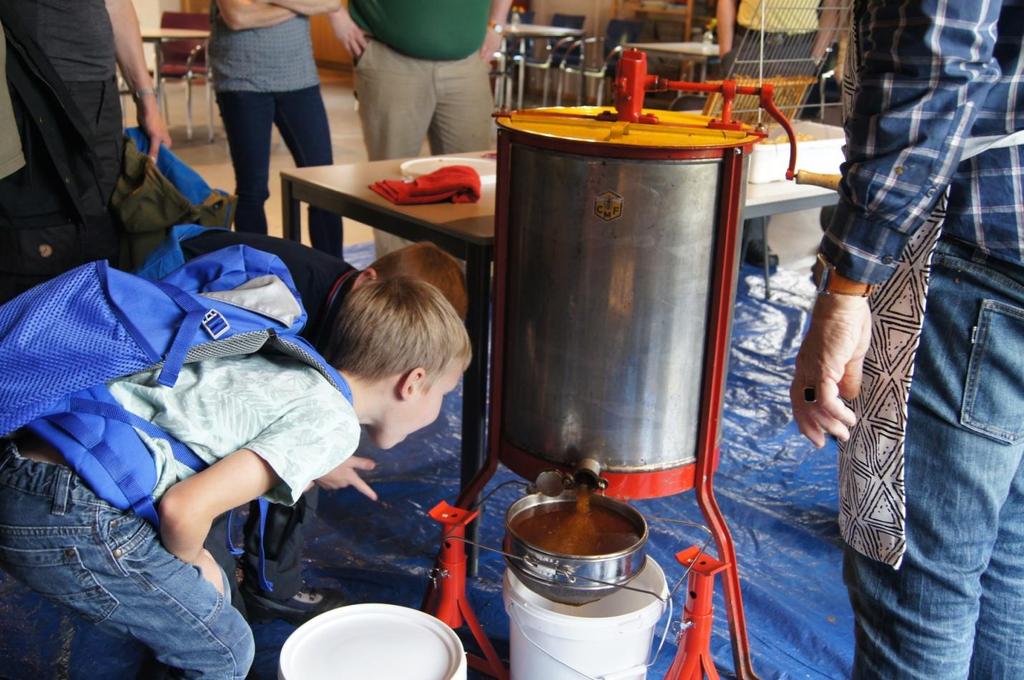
[(660, 129)]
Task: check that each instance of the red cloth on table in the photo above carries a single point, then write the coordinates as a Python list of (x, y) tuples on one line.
[(455, 183)]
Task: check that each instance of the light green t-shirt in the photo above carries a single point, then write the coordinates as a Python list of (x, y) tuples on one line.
[(278, 407)]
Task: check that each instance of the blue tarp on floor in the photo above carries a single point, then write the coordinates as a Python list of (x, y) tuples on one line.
[(778, 495)]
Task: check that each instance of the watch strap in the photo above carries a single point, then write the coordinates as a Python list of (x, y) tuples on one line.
[(831, 282)]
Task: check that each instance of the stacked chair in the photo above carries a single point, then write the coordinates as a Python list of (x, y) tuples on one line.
[(185, 60), (575, 63), (553, 54)]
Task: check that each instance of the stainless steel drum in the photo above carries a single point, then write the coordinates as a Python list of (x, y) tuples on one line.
[(609, 315), (611, 244)]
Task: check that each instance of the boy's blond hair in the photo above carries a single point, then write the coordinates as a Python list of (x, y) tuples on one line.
[(426, 262), (389, 327)]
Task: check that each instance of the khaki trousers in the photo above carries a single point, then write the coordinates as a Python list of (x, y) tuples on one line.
[(403, 100)]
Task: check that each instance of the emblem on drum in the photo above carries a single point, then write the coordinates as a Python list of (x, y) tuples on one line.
[(608, 206)]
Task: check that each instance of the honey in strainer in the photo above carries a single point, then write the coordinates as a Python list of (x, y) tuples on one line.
[(580, 528)]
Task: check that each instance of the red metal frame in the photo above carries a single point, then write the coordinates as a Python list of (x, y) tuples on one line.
[(694, 660), (624, 485), (716, 358)]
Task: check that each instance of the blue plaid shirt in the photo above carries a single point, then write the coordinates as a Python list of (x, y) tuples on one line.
[(932, 73)]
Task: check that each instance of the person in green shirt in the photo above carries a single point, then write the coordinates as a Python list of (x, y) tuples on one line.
[(422, 72)]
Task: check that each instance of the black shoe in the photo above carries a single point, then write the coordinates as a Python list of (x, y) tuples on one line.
[(755, 255), (301, 607)]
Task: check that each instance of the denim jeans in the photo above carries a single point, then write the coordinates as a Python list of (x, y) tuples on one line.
[(301, 119), (109, 566), (955, 607)]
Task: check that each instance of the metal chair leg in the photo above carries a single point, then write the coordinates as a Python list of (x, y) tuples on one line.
[(499, 80), (547, 77), (209, 107), (521, 80), (161, 92), (188, 107), (561, 84), (600, 92)]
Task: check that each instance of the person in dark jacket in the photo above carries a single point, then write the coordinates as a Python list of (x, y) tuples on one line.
[(66, 104)]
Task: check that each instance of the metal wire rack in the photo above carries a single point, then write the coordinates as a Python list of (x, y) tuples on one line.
[(790, 43)]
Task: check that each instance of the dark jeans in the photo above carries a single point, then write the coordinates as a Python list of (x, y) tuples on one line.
[(301, 119)]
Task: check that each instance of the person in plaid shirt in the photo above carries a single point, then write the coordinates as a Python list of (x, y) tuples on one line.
[(921, 275)]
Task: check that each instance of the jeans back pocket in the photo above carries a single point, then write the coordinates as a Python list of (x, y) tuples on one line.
[(994, 394), (59, 575)]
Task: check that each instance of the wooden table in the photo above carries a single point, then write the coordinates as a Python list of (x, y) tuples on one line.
[(161, 34), (466, 230)]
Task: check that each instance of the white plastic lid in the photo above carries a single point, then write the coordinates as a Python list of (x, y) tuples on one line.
[(380, 641)]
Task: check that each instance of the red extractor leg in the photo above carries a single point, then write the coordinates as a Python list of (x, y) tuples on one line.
[(447, 598)]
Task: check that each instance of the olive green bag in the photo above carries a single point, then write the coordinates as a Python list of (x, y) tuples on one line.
[(147, 205)]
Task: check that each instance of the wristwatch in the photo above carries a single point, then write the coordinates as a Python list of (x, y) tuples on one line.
[(494, 26), (831, 282)]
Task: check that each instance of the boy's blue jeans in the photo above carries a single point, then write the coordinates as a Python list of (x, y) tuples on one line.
[(955, 608), (109, 566)]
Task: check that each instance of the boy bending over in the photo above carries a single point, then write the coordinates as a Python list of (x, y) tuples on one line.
[(269, 426), (324, 283)]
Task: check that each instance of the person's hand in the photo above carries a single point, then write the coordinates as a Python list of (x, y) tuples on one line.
[(828, 367), (152, 123), (347, 474), (492, 44), (349, 34), (210, 570)]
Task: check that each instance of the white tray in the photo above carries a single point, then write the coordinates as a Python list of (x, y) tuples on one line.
[(487, 168)]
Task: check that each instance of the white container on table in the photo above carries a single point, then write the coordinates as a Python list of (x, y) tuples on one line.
[(819, 148)]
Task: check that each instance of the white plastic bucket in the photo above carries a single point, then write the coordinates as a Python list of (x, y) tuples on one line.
[(378, 641), (608, 639)]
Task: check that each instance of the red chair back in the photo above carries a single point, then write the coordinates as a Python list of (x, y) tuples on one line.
[(174, 53)]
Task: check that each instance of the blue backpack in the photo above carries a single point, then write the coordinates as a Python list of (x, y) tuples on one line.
[(63, 341)]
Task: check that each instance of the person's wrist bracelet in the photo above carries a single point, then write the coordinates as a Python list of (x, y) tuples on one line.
[(494, 26), (142, 92)]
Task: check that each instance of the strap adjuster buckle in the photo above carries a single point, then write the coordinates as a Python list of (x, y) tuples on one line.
[(215, 324)]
